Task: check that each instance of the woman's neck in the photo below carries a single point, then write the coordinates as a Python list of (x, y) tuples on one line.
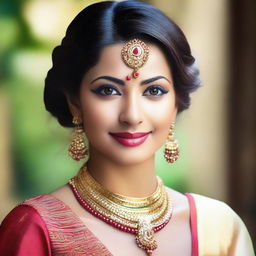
[(138, 180)]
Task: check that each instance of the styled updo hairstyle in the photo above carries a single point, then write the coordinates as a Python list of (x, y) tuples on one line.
[(106, 23)]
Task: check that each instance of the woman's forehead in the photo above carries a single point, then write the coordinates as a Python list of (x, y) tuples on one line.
[(111, 63)]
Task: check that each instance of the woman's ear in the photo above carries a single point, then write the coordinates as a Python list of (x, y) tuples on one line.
[(74, 105)]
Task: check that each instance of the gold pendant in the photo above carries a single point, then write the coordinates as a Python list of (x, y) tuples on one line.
[(145, 237)]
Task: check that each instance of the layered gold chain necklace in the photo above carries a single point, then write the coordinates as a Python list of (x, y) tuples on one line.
[(139, 216)]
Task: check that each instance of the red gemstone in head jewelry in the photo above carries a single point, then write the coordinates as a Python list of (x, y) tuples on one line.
[(135, 51), (135, 54)]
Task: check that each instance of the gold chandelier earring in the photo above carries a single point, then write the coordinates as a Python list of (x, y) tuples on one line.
[(171, 152), (77, 148)]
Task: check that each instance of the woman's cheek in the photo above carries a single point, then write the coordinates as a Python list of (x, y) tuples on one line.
[(162, 112)]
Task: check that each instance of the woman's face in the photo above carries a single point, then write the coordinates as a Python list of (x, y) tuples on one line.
[(115, 111)]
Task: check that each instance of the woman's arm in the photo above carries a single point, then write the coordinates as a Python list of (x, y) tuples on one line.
[(23, 233)]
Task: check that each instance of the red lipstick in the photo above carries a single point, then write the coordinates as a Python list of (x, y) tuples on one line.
[(130, 139)]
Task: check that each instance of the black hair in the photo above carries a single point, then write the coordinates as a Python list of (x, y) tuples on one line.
[(110, 22)]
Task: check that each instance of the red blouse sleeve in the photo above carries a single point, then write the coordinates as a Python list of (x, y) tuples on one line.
[(23, 233)]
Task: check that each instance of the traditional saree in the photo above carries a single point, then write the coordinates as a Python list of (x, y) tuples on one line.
[(45, 226)]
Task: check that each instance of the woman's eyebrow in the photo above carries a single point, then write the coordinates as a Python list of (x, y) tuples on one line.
[(110, 78), (121, 82), (153, 79)]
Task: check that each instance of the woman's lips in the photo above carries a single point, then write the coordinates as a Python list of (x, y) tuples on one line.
[(130, 139)]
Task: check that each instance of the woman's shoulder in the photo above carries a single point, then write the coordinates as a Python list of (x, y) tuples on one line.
[(214, 209), (21, 215), (23, 230), (32, 212), (43, 202), (209, 212), (220, 228), (26, 212), (215, 214), (210, 203)]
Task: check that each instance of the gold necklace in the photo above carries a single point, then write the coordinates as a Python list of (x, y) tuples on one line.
[(140, 216)]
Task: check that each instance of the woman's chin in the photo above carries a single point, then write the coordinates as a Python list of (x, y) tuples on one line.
[(129, 158)]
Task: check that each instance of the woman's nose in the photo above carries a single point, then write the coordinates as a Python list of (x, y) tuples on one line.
[(131, 111)]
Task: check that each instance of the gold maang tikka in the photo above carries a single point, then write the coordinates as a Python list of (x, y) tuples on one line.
[(135, 54)]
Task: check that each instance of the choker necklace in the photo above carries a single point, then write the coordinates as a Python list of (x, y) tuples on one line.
[(139, 216)]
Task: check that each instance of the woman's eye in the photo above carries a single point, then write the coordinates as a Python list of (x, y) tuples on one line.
[(155, 91), (106, 91)]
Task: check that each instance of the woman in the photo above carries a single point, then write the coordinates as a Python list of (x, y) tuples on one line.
[(120, 76)]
